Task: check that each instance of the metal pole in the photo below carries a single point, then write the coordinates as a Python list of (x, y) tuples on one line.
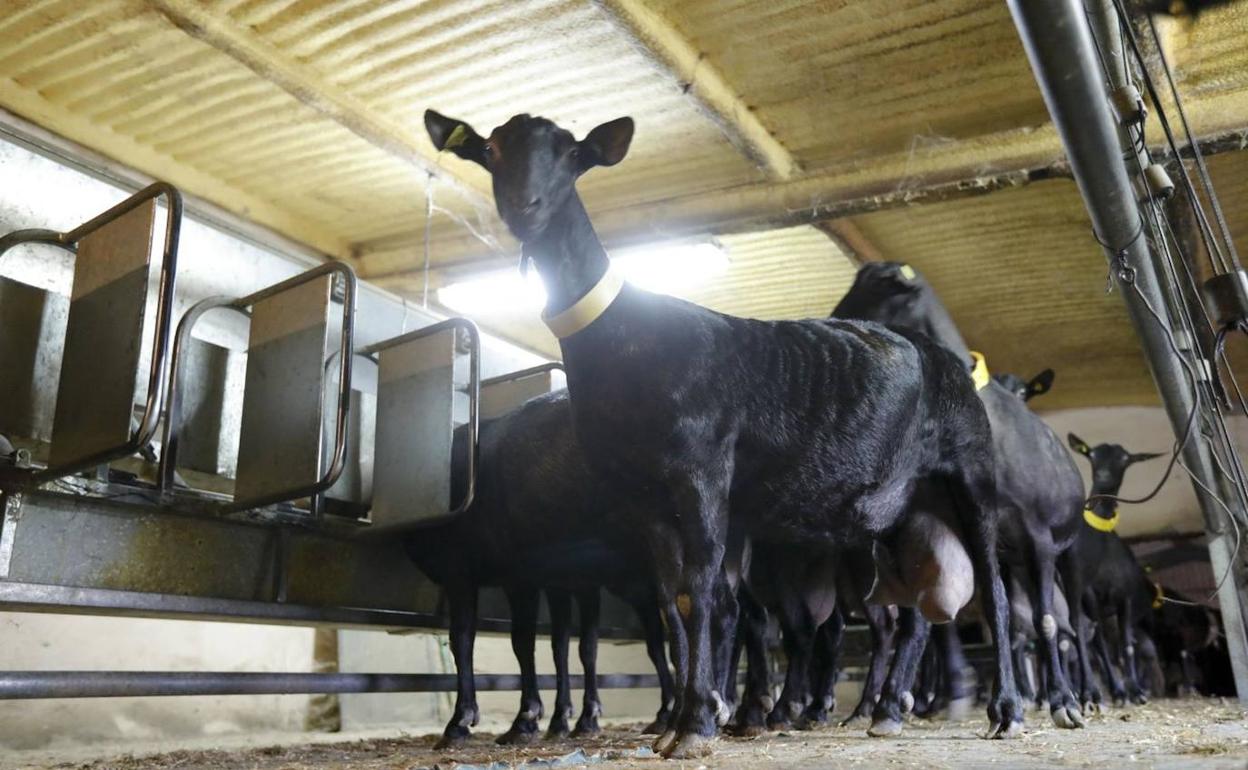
[(1060, 48), (27, 685)]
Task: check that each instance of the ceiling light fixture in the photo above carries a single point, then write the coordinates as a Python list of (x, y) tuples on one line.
[(665, 268)]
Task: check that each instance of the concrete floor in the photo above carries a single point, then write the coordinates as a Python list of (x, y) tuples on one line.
[(1169, 734)]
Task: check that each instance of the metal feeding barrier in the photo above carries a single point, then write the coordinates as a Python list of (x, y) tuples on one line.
[(102, 346), (336, 441)]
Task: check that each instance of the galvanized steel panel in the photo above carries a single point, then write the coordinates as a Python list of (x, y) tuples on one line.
[(415, 397), (104, 338), (32, 339), (280, 441)]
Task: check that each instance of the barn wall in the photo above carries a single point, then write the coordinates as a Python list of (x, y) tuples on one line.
[(1140, 429)]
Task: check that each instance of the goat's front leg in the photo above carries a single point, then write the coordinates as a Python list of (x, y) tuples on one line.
[(590, 604), (651, 621), (524, 729), (560, 602), (462, 605), (701, 505), (1126, 630)]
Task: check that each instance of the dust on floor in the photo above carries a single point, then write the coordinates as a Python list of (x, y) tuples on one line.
[(1167, 734)]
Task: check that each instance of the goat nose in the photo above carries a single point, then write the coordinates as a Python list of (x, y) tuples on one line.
[(532, 205)]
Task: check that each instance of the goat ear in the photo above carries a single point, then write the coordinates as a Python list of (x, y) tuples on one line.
[(607, 144), (456, 136), (1078, 444), (1040, 384), (1139, 457)]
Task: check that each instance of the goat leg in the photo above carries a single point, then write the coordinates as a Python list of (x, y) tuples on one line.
[(462, 607), (911, 642), (883, 629), (524, 729), (590, 604)]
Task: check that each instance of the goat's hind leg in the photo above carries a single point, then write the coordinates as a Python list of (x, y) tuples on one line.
[(975, 493), (911, 642), (1063, 707)]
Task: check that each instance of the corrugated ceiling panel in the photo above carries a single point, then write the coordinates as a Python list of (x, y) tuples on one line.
[(486, 60), (873, 77)]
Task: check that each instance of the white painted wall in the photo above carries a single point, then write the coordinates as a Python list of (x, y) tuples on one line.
[(1140, 429)]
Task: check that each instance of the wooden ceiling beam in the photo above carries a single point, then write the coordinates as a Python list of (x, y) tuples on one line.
[(315, 91), (852, 241), (671, 51)]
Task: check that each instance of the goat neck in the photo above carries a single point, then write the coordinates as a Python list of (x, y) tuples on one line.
[(568, 255)]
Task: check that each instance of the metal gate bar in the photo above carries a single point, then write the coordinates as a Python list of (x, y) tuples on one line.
[(27, 685)]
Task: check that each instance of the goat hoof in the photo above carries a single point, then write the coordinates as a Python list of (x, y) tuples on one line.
[(659, 725), (1004, 730), (887, 727), (664, 742), (1067, 717), (907, 702), (855, 720), (1094, 708), (585, 728), (516, 738), (690, 746), (723, 712), (519, 735), (453, 738), (752, 730), (1139, 699)]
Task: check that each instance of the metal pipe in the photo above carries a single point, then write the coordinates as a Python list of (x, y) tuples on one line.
[(1059, 46), (26, 685)]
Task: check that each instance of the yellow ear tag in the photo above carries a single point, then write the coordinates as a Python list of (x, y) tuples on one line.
[(907, 272), (457, 137)]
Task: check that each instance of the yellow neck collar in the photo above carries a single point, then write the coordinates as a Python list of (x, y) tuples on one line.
[(1100, 523), (979, 375), (586, 309)]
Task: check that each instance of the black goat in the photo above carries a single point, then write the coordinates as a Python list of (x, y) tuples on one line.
[(1118, 584), (811, 432), (540, 518), (1026, 389), (1039, 489)]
